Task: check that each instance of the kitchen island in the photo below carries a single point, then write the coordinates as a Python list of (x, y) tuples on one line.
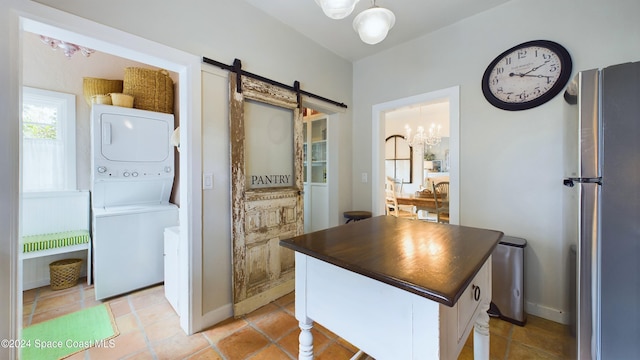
[(396, 288)]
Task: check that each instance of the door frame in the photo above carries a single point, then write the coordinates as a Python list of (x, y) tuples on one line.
[(34, 17), (377, 146)]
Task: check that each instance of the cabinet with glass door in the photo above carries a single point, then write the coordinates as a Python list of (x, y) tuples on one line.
[(315, 172), (315, 150)]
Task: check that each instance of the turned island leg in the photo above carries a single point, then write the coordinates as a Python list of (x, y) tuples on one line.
[(305, 339), (481, 333)]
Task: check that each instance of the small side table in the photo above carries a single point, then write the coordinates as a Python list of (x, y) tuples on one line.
[(356, 215)]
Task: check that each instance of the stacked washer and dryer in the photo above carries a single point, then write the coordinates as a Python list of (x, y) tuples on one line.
[(132, 177)]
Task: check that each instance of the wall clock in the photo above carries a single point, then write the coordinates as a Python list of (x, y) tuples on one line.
[(527, 75)]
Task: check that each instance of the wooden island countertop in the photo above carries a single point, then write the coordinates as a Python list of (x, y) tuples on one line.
[(436, 261)]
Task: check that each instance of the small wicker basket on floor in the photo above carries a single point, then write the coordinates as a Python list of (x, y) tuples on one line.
[(64, 273)]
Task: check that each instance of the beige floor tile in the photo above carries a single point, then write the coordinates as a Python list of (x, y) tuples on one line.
[(142, 355), (236, 339), (119, 306), (276, 324), (291, 308), (242, 343), (147, 297), (156, 312), (224, 329), (179, 346), (127, 323), (328, 333), (123, 345), (260, 312), (334, 351), (272, 352), (40, 316), (163, 329), (206, 354), (347, 345), (56, 301), (285, 300)]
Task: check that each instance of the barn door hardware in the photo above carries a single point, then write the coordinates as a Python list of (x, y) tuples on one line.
[(237, 69)]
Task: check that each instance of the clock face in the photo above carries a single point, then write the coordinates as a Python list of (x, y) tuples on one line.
[(527, 75)]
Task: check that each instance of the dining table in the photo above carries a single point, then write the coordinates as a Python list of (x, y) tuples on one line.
[(425, 201)]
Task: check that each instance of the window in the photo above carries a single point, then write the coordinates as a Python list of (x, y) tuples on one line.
[(48, 140), (398, 159)]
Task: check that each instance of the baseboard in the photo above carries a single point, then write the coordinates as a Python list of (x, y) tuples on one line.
[(248, 305), (548, 313), (215, 316)]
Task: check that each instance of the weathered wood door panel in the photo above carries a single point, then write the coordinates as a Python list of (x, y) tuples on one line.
[(266, 170)]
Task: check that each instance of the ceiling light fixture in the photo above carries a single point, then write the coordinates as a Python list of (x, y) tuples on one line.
[(373, 24), (337, 9), (68, 48)]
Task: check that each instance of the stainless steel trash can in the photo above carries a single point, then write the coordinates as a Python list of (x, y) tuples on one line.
[(507, 282)]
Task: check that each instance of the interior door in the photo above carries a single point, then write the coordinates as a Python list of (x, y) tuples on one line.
[(266, 190)]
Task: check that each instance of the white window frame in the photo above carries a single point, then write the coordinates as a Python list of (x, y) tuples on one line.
[(66, 127)]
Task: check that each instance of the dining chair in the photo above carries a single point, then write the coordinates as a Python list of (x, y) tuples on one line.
[(441, 196), (391, 203)]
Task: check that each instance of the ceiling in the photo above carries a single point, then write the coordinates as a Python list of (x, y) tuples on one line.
[(414, 18)]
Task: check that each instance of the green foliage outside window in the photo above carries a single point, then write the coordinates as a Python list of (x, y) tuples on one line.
[(39, 122)]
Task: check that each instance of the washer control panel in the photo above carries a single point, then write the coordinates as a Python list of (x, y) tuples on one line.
[(141, 171)]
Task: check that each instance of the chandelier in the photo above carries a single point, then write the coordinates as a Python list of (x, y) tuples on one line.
[(372, 25), (422, 138), (68, 48)]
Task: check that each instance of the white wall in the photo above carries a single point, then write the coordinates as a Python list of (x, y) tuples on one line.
[(510, 162), (221, 30)]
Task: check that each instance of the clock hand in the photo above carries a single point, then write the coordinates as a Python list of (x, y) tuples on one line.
[(532, 70), (533, 75), (535, 68)]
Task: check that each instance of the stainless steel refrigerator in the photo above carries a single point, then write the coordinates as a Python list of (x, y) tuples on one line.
[(603, 163)]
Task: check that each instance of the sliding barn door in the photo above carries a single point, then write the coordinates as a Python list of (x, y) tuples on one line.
[(266, 194)]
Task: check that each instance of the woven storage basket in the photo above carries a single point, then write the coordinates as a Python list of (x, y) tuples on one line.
[(152, 89), (64, 273), (95, 86), (123, 100)]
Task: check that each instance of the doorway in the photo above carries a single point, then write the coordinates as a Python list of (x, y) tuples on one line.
[(38, 19), (381, 113)]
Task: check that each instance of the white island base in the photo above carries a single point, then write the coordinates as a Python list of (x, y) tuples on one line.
[(387, 322)]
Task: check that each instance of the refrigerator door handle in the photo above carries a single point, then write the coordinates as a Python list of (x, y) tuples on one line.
[(570, 182)]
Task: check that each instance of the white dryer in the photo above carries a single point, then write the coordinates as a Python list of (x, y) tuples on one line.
[(132, 177)]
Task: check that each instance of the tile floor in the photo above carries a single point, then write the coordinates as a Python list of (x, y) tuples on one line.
[(149, 329)]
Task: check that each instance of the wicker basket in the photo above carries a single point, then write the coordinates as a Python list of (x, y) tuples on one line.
[(95, 86), (123, 100), (64, 273), (152, 89)]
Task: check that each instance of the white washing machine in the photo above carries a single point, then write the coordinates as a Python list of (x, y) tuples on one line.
[(132, 176)]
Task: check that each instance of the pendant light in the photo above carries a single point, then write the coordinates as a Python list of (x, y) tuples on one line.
[(337, 9), (373, 24)]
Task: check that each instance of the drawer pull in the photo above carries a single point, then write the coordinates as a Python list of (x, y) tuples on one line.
[(476, 292)]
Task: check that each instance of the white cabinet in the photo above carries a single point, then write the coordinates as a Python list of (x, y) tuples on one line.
[(171, 266), (316, 196)]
